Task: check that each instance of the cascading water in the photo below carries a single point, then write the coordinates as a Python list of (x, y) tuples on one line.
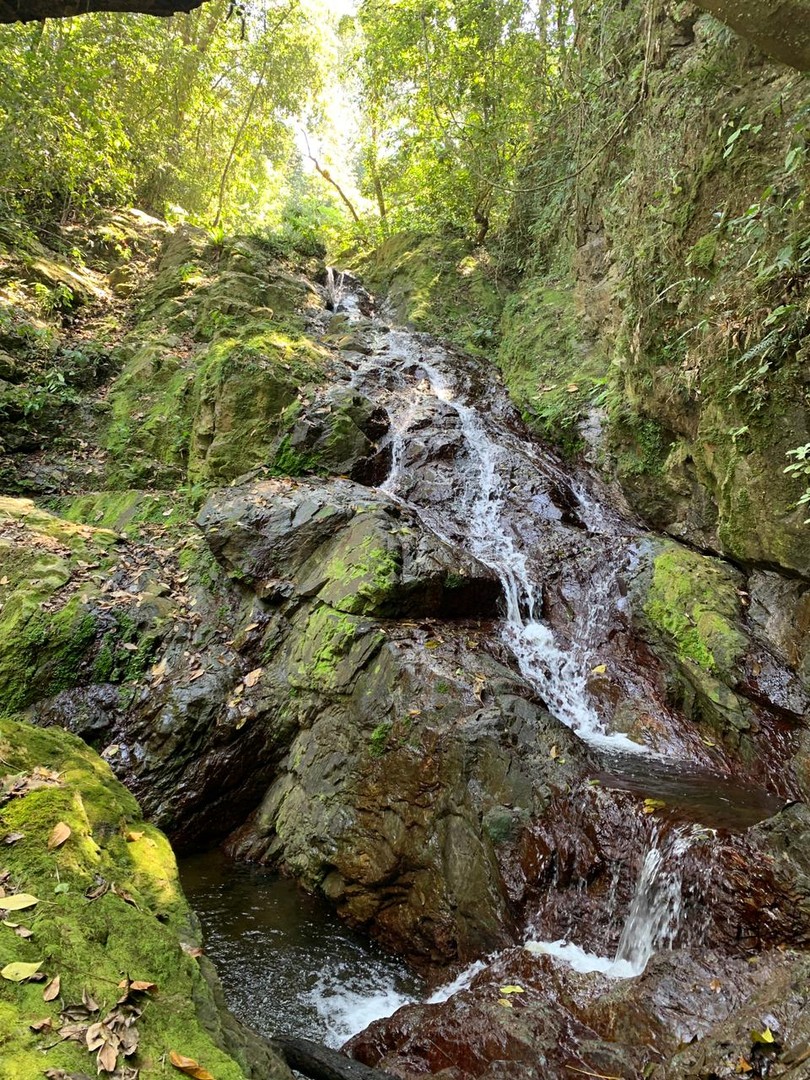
[(654, 918), (559, 675)]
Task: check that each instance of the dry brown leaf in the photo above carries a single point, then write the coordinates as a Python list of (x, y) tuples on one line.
[(13, 837), (138, 985), (189, 1066), (253, 677), (191, 950), (42, 1025), (125, 896), (59, 834), (134, 835), (23, 932), (94, 1036), (107, 1057), (53, 989)]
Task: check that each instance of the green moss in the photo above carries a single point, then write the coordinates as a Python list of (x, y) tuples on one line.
[(704, 252), (363, 577), (91, 944), (41, 652), (694, 602), (552, 376), (289, 462), (439, 285), (378, 740)]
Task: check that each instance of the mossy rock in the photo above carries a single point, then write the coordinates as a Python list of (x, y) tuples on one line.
[(552, 374), (439, 285), (43, 641), (693, 601), (692, 608), (136, 927)]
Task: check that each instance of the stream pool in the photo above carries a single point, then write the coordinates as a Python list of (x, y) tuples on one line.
[(287, 963)]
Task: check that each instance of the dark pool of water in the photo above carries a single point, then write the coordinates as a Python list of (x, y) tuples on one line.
[(287, 964), (702, 797)]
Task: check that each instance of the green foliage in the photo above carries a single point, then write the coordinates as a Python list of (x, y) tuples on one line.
[(448, 107), (188, 111), (800, 467), (378, 740)]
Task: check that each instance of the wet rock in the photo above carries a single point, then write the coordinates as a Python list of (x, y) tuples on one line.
[(560, 1022), (358, 552)]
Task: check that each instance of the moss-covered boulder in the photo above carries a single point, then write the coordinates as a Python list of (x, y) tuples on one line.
[(438, 284), (216, 369), (723, 672), (109, 908)]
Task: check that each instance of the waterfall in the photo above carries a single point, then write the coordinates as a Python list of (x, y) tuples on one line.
[(559, 676), (334, 288), (654, 918)]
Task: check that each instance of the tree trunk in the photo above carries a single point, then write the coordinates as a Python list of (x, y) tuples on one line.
[(320, 1063)]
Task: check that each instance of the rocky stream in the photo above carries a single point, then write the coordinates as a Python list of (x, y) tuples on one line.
[(544, 802), (537, 773)]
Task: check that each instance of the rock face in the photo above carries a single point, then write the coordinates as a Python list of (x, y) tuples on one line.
[(685, 1017)]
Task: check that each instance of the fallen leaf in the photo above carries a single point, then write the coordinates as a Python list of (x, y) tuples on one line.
[(138, 985), (107, 1057), (89, 1003), (42, 1025), (59, 834), (716, 985), (13, 837), (189, 1066), (134, 835), (600, 669), (60, 1074), (432, 644), (125, 896), (52, 990), (95, 1036), (253, 677), (23, 932), (651, 805), (743, 1066), (129, 646), (18, 902), (512, 990), (507, 1004), (572, 388), (554, 753), (191, 950), (19, 972), (765, 1036)]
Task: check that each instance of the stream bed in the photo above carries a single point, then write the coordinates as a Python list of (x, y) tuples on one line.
[(641, 870)]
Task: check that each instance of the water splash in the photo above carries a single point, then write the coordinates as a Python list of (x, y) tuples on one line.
[(654, 918), (333, 288)]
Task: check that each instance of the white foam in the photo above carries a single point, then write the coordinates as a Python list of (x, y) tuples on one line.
[(582, 961), (346, 1011), (461, 982)]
